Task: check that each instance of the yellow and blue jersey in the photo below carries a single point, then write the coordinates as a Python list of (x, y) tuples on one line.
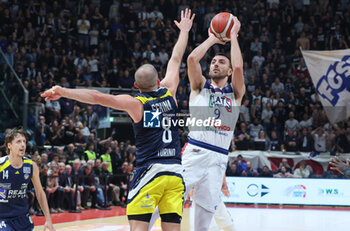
[(13, 187), (157, 136)]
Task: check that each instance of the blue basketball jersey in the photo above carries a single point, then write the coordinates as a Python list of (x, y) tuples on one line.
[(157, 136), (13, 187)]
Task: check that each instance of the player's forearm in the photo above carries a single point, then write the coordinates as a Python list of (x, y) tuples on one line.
[(81, 95), (198, 53), (180, 47), (43, 204), (237, 67), (236, 55)]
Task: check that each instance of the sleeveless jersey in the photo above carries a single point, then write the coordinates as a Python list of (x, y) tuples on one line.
[(218, 104), (13, 187), (156, 137)]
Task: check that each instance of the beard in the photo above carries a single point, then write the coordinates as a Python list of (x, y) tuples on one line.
[(218, 75)]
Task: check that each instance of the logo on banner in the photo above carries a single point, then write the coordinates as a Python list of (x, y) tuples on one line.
[(296, 191), (335, 81), (330, 192), (254, 190)]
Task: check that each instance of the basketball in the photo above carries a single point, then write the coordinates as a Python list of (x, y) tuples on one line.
[(221, 25)]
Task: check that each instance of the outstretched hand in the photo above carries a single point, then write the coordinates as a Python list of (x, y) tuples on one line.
[(53, 93), (339, 165), (186, 20)]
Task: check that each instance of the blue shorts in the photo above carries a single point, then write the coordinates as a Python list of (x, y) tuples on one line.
[(20, 223)]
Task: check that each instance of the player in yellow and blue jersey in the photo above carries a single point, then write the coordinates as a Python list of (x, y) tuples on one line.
[(158, 178), (16, 172)]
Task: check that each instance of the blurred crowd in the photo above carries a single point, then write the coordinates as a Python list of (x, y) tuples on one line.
[(93, 43), (283, 168)]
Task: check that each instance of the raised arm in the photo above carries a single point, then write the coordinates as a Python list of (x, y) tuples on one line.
[(237, 63), (120, 102), (195, 75), (171, 79)]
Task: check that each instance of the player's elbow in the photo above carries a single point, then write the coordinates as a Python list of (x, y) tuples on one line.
[(238, 69), (192, 58), (97, 96)]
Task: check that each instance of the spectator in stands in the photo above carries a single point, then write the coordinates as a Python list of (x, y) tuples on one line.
[(291, 123), (319, 117), (277, 86), (69, 188), (302, 171), (244, 111), (259, 58), (320, 137), (107, 158), (232, 170), (53, 110), (90, 188), (306, 122), (343, 144), (55, 192), (283, 173), (256, 109), (92, 119), (42, 132), (96, 166), (265, 172), (250, 172), (275, 142), (69, 133), (241, 165), (290, 142), (305, 141), (280, 112), (262, 142), (266, 115), (89, 153), (83, 27), (122, 181), (107, 187), (242, 138), (284, 163), (255, 128)]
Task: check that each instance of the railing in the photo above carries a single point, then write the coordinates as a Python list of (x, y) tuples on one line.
[(13, 96)]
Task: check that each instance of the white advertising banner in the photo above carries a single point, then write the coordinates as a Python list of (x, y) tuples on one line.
[(288, 191)]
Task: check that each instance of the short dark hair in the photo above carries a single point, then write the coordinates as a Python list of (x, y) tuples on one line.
[(11, 135)]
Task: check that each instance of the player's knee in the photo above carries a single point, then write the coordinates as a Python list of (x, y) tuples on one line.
[(171, 218)]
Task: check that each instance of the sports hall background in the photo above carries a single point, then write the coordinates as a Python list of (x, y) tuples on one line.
[(101, 44)]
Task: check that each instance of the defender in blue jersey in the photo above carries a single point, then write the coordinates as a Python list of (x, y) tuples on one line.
[(157, 180), (16, 172)]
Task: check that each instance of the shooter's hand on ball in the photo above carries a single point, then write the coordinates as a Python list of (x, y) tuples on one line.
[(236, 27), (215, 39)]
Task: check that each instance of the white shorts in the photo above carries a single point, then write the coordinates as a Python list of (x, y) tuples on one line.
[(204, 171)]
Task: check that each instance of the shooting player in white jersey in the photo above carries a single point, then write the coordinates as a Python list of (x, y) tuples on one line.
[(205, 155)]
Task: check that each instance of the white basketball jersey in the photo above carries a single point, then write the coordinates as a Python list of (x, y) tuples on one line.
[(220, 104)]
